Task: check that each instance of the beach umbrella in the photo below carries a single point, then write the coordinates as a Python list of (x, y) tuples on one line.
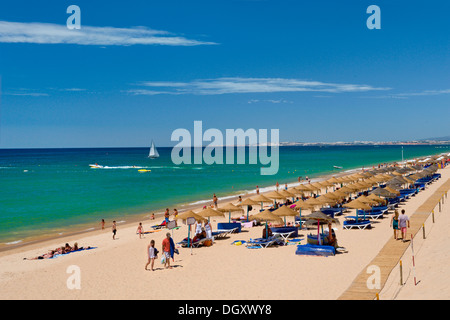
[(314, 202), (320, 217), (300, 204), (190, 214), (261, 198), (391, 189), (367, 200), (356, 204), (274, 195), (333, 180), (376, 198), (248, 202), (383, 193), (266, 216), (284, 211), (286, 194), (318, 186), (229, 207), (325, 199), (210, 212), (302, 187)]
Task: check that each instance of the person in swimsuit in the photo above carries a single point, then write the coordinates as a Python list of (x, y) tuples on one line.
[(215, 200), (114, 230), (140, 230)]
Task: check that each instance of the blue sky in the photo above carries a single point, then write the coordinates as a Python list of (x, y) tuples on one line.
[(137, 70)]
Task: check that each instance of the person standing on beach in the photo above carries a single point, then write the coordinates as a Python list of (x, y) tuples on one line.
[(114, 229), (215, 200), (166, 250), (103, 224), (140, 230), (166, 216), (278, 185), (394, 223), (403, 222), (152, 253), (257, 190)]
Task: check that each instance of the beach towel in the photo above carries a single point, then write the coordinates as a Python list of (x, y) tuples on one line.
[(172, 248)]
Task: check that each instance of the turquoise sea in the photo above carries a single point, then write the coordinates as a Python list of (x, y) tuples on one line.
[(50, 191)]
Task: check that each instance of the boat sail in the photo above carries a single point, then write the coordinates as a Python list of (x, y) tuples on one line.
[(153, 152)]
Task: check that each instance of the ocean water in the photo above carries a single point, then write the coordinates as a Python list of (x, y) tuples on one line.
[(50, 191)]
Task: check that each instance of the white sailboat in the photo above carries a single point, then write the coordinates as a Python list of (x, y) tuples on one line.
[(153, 152)]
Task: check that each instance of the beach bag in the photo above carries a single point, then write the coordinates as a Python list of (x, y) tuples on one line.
[(163, 259)]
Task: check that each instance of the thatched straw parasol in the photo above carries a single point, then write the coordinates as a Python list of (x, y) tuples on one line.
[(229, 207), (266, 216), (190, 214), (284, 211)]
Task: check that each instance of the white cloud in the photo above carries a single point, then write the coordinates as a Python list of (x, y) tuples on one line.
[(47, 33), (248, 85), (407, 95), (424, 93)]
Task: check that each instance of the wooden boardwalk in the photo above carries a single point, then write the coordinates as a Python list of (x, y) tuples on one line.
[(389, 256)]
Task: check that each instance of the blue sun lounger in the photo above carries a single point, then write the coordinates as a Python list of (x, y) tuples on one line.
[(263, 242), (354, 222), (315, 250)]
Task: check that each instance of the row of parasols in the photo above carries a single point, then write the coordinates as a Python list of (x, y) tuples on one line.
[(393, 178)]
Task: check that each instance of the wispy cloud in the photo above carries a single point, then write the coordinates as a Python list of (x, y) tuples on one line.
[(247, 85), (276, 101), (47, 33), (26, 94), (424, 93), (407, 95)]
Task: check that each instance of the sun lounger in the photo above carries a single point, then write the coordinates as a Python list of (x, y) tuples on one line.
[(374, 214), (352, 222), (196, 244), (284, 235), (222, 233), (263, 243), (315, 250)]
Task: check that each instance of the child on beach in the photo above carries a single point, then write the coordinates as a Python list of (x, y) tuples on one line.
[(152, 254), (140, 230)]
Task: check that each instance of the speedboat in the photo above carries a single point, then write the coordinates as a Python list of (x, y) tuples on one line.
[(96, 166)]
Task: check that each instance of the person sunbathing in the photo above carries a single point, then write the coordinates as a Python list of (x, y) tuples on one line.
[(48, 255)]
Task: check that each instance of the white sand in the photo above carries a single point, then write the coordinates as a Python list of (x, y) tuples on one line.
[(115, 270)]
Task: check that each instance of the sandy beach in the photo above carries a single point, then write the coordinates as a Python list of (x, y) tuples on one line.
[(115, 268)]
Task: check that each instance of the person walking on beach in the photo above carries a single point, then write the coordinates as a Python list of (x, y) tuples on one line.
[(114, 229), (166, 250), (152, 254), (403, 222), (394, 224)]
